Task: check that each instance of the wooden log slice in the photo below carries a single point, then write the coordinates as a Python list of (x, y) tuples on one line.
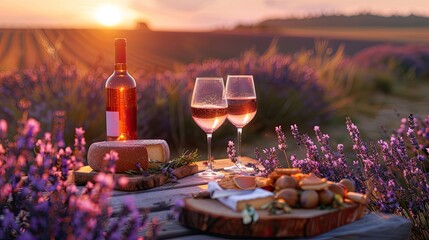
[(211, 216), (134, 183), (185, 171)]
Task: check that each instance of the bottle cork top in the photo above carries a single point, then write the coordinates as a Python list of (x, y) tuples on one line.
[(120, 50), (120, 41)]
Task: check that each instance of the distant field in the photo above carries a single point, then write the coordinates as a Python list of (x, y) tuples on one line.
[(402, 35), (160, 51)]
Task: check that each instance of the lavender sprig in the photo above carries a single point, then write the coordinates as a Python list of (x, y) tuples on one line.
[(79, 146), (281, 139), (269, 163), (231, 152)]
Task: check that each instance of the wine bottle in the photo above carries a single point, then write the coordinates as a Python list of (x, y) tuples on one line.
[(121, 102)]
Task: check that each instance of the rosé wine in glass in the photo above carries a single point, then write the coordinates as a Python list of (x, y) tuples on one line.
[(241, 96), (209, 109), (209, 117), (241, 110)]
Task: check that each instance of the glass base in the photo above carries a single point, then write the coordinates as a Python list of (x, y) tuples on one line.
[(210, 174), (238, 170)]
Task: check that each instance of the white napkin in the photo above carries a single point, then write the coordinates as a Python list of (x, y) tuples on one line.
[(234, 196)]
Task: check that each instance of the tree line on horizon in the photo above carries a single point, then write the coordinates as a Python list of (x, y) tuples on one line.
[(339, 20)]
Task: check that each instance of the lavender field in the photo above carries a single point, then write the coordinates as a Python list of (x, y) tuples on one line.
[(53, 81)]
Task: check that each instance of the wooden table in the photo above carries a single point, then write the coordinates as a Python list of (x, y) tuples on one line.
[(159, 200)]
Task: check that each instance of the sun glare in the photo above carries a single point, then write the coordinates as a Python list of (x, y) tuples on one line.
[(108, 15)]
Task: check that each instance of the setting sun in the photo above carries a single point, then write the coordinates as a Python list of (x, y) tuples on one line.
[(108, 15)]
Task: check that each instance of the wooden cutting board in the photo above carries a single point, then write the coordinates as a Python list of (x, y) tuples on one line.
[(211, 216), (135, 182)]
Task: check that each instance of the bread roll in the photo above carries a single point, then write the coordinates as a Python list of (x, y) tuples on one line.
[(313, 183), (287, 171), (129, 152), (357, 197)]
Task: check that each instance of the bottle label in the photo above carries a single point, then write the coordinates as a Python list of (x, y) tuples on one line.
[(112, 123)]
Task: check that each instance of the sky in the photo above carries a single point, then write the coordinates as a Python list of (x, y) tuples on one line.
[(185, 14)]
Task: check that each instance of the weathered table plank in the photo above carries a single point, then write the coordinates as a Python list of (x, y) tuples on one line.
[(151, 199), (190, 180)]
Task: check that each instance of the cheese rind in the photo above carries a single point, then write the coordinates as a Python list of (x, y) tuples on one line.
[(157, 152)]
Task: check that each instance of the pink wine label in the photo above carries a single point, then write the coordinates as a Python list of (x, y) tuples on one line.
[(112, 123)]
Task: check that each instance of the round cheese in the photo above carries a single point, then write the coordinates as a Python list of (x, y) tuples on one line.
[(130, 152)]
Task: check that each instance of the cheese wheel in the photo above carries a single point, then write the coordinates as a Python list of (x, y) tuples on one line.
[(129, 152)]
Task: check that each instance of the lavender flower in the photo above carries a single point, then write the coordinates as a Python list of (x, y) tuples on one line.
[(66, 162), (281, 139), (411, 134), (79, 146), (58, 128), (269, 163), (110, 161), (295, 134), (30, 131), (3, 129), (176, 209), (230, 150)]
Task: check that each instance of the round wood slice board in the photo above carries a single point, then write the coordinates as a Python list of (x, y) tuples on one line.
[(211, 216)]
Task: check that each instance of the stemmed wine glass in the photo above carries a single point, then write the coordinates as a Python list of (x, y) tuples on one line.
[(241, 96), (209, 110)]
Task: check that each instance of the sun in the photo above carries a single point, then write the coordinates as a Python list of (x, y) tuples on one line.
[(108, 15)]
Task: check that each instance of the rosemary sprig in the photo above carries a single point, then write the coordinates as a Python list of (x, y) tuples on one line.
[(186, 158)]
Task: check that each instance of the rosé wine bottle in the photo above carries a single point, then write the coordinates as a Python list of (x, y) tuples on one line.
[(121, 100)]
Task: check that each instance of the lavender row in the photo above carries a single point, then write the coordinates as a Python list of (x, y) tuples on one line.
[(309, 87), (394, 173)]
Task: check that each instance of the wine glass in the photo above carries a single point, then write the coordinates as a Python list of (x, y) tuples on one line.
[(241, 96), (209, 110)]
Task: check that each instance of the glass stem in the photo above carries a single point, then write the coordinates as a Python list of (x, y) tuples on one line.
[(209, 152), (239, 131)]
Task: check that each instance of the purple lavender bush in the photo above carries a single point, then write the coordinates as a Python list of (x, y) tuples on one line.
[(284, 91), (54, 93), (393, 172), (311, 87), (404, 58), (38, 202), (388, 67)]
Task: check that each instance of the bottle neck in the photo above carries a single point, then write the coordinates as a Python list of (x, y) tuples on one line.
[(120, 56)]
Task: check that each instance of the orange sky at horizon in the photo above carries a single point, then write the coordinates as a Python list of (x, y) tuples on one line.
[(184, 14)]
